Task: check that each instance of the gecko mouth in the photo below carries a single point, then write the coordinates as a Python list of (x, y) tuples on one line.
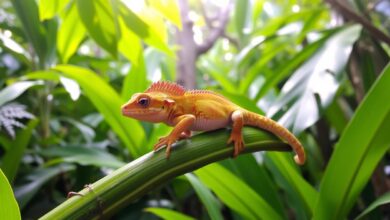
[(136, 112)]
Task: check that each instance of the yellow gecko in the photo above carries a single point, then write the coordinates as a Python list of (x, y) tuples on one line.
[(200, 110)]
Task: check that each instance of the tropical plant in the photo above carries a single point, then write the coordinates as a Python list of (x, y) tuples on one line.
[(320, 68)]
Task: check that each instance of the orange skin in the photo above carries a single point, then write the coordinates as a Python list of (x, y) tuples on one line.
[(199, 110)]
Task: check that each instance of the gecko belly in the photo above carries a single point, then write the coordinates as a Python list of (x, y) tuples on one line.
[(209, 124)]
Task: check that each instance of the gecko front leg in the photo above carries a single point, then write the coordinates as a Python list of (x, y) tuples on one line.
[(182, 124)]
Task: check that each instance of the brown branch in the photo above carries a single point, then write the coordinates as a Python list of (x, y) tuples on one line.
[(208, 20), (351, 15), (216, 32)]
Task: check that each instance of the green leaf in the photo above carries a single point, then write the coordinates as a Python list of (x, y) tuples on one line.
[(384, 199), (27, 12), (99, 20), (148, 26), (49, 8), (14, 90), (207, 198), (70, 34), (87, 132), (357, 153), (247, 169), (336, 116), (242, 17), (282, 71), (302, 192), (11, 46), (83, 156), (136, 80), (9, 208), (129, 44), (210, 68), (43, 75), (108, 102), (169, 9), (315, 83), (168, 214), (235, 193), (13, 156), (273, 48), (273, 25), (36, 179)]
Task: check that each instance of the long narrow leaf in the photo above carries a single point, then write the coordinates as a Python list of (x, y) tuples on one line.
[(27, 12), (70, 33), (108, 102), (320, 77), (13, 91), (35, 180), (384, 199), (15, 152), (302, 192), (49, 8), (235, 193), (169, 9), (207, 198), (169, 214), (99, 20), (247, 169), (9, 208), (363, 143)]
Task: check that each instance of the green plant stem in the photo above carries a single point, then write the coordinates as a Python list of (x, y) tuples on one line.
[(118, 189)]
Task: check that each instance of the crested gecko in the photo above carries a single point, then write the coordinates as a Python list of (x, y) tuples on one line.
[(200, 110)]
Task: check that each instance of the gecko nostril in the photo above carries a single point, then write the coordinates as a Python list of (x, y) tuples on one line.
[(124, 107)]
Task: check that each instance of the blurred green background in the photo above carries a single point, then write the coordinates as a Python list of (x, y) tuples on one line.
[(320, 68)]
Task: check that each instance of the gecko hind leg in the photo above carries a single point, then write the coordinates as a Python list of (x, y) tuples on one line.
[(236, 134)]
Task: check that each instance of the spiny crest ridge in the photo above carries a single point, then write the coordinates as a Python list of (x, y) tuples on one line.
[(197, 91), (166, 87)]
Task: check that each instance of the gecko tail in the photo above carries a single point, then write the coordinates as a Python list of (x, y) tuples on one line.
[(270, 125)]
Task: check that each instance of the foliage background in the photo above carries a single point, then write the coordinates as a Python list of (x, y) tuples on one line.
[(319, 68)]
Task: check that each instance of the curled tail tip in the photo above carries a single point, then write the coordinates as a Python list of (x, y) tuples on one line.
[(299, 160)]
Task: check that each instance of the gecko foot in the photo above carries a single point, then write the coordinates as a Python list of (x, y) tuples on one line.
[(71, 194), (168, 141), (238, 143)]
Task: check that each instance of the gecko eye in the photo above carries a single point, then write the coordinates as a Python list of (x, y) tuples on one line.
[(144, 102)]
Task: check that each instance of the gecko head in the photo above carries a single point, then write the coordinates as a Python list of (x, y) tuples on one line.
[(147, 107)]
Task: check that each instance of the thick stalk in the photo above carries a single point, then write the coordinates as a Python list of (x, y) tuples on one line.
[(105, 197)]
